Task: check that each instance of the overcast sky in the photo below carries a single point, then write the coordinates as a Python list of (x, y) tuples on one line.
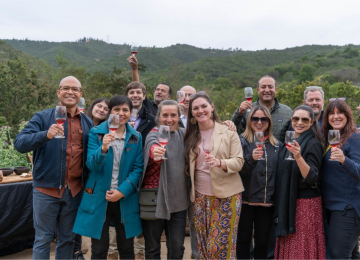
[(246, 24)]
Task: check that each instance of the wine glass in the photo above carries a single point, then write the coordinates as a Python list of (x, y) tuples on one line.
[(289, 140), (81, 105), (334, 139), (60, 118), (134, 49), (248, 96), (180, 96), (259, 139), (134, 115), (113, 123), (208, 146), (163, 138)]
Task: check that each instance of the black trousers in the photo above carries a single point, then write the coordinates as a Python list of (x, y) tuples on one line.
[(260, 219), (99, 248), (175, 236), (343, 232)]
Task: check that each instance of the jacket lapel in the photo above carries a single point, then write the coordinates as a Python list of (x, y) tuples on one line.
[(217, 137)]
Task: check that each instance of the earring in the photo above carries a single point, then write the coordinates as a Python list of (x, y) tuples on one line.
[(212, 116), (193, 121)]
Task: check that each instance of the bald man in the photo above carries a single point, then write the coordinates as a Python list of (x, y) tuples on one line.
[(60, 172), (189, 90)]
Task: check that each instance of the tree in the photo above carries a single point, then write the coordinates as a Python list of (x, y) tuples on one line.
[(306, 73)]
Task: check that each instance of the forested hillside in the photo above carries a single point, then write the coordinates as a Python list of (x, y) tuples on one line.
[(28, 83)]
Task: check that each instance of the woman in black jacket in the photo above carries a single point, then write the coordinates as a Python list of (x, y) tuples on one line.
[(298, 209), (258, 176)]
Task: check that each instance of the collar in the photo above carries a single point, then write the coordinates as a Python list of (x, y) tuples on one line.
[(122, 137), (183, 116)]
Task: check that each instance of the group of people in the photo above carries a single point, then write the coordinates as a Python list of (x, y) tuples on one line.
[(233, 193)]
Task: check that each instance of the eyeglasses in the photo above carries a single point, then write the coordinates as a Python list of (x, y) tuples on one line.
[(198, 93), (263, 120), (340, 99), (75, 90), (296, 119)]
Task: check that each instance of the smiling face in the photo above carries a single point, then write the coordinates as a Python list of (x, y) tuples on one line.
[(259, 126), (299, 126), (337, 119), (169, 116), (69, 99), (100, 110), (315, 101), (201, 110), (266, 89), (123, 111), (137, 96)]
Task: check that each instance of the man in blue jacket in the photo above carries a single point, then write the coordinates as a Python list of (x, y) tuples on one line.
[(59, 172)]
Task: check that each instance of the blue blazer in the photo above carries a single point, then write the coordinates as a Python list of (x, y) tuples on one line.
[(91, 214), (47, 153)]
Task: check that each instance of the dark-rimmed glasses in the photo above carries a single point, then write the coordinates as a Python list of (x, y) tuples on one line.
[(198, 93), (263, 120), (67, 89), (296, 119), (340, 99)]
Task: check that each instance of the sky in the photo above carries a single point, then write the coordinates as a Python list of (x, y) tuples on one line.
[(245, 24)]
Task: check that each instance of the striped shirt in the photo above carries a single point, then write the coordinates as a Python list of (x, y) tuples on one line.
[(118, 147)]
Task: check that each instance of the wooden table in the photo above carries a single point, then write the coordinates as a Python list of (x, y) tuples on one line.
[(14, 178)]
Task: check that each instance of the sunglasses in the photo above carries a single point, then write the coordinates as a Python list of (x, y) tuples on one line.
[(263, 120), (340, 99), (296, 119), (198, 93)]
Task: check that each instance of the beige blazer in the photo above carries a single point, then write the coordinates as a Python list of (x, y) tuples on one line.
[(227, 147)]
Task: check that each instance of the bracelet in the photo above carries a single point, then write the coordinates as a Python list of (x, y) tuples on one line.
[(220, 163)]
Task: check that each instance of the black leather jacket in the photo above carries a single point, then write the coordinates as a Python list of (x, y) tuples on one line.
[(259, 177)]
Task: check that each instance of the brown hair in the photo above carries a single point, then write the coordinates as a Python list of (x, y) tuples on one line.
[(135, 85), (192, 135), (168, 102), (348, 129), (248, 133)]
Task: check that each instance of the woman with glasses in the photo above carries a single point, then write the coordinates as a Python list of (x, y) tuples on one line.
[(340, 181), (298, 208), (258, 175), (216, 185)]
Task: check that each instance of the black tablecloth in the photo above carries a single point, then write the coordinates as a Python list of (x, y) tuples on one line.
[(16, 217)]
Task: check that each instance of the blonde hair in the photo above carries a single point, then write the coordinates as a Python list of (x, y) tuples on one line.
[(248, 133)]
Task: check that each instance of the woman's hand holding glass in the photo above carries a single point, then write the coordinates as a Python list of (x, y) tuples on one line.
[(337, 155), (294, 149), (107, 139), (211, 161), (159, 152), (257, 153), (113, 195)]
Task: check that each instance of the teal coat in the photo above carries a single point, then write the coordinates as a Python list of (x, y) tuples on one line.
[(91, 214)]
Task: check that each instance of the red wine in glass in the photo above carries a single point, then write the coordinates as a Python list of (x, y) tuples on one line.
[(134, 49), (249, 99), (113, 129), (180, 96), (60, 118), (248, 95), (334, 145), (259, 145), (134, 53), (163, 142), (334, 139), (163, 138), (60, 121), (113, 123), (81, 109), (208, 146), (289, 145)]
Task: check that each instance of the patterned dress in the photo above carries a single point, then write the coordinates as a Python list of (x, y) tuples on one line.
[(308, 242), (216, 224)]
